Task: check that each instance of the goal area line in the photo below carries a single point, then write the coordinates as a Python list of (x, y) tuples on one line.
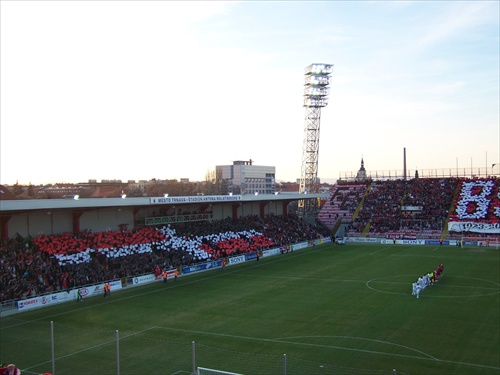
[(209, 371)]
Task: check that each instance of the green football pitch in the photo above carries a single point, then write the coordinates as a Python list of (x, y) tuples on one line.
[(328, 309)]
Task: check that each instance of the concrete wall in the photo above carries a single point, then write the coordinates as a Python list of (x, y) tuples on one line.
[(107, 219)]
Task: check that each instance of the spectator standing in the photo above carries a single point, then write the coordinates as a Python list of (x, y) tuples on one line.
[(107, 290)]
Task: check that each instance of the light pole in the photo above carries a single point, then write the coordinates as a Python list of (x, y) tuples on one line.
[(316, 90)]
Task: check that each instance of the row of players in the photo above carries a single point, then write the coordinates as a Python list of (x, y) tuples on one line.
[(426, 280)]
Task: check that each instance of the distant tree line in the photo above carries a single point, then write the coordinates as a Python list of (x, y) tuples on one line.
[(212, 185)]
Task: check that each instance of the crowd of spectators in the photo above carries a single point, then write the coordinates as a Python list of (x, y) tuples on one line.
[(33, 266), (405, 205), (349, 201), (381, 207), (433, 197), (408, 208)]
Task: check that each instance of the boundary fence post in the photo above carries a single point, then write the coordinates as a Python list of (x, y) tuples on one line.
[(52, 347), (193, 357), (117, 353)]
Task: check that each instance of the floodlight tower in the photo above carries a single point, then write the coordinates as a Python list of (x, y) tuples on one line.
[(316, 90)]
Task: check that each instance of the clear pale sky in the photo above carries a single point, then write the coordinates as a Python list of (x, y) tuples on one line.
[(163, 89)]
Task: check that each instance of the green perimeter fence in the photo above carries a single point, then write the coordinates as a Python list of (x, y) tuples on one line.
[(65, 350)]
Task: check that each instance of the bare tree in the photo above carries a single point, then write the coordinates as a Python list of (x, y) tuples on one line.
[(214, 184)]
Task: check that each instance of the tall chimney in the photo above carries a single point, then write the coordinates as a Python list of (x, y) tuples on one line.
[(404, 163)]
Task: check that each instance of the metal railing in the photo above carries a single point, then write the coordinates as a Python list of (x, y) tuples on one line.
[(398, 174)]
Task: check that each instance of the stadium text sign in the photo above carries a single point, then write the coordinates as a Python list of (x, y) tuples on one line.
[(59, 297), (469, 226), (238, 259), (195, 199)]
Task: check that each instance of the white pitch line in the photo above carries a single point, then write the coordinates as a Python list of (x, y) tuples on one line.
[(383, 249), (159, 290), (428, 358), (365, 339), (89, 348)]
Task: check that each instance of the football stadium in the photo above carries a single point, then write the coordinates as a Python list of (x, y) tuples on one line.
[(396, 276), (241, 270)]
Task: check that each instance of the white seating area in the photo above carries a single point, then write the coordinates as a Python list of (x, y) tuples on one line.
[(171, 242)]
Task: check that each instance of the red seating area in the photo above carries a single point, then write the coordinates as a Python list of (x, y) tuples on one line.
[(341, 205), (69, 243), (237, 245)]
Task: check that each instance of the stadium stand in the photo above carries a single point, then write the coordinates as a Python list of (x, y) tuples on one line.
[(410, 209), (405, 209), (417, 208), (342, 204), (31, 267)]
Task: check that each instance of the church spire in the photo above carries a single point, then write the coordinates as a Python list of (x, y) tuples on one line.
[(362, 172)]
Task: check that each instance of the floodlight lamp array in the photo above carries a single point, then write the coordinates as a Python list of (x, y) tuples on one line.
[(315, 102), (317, 80), (319, 69), (316, 91)]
